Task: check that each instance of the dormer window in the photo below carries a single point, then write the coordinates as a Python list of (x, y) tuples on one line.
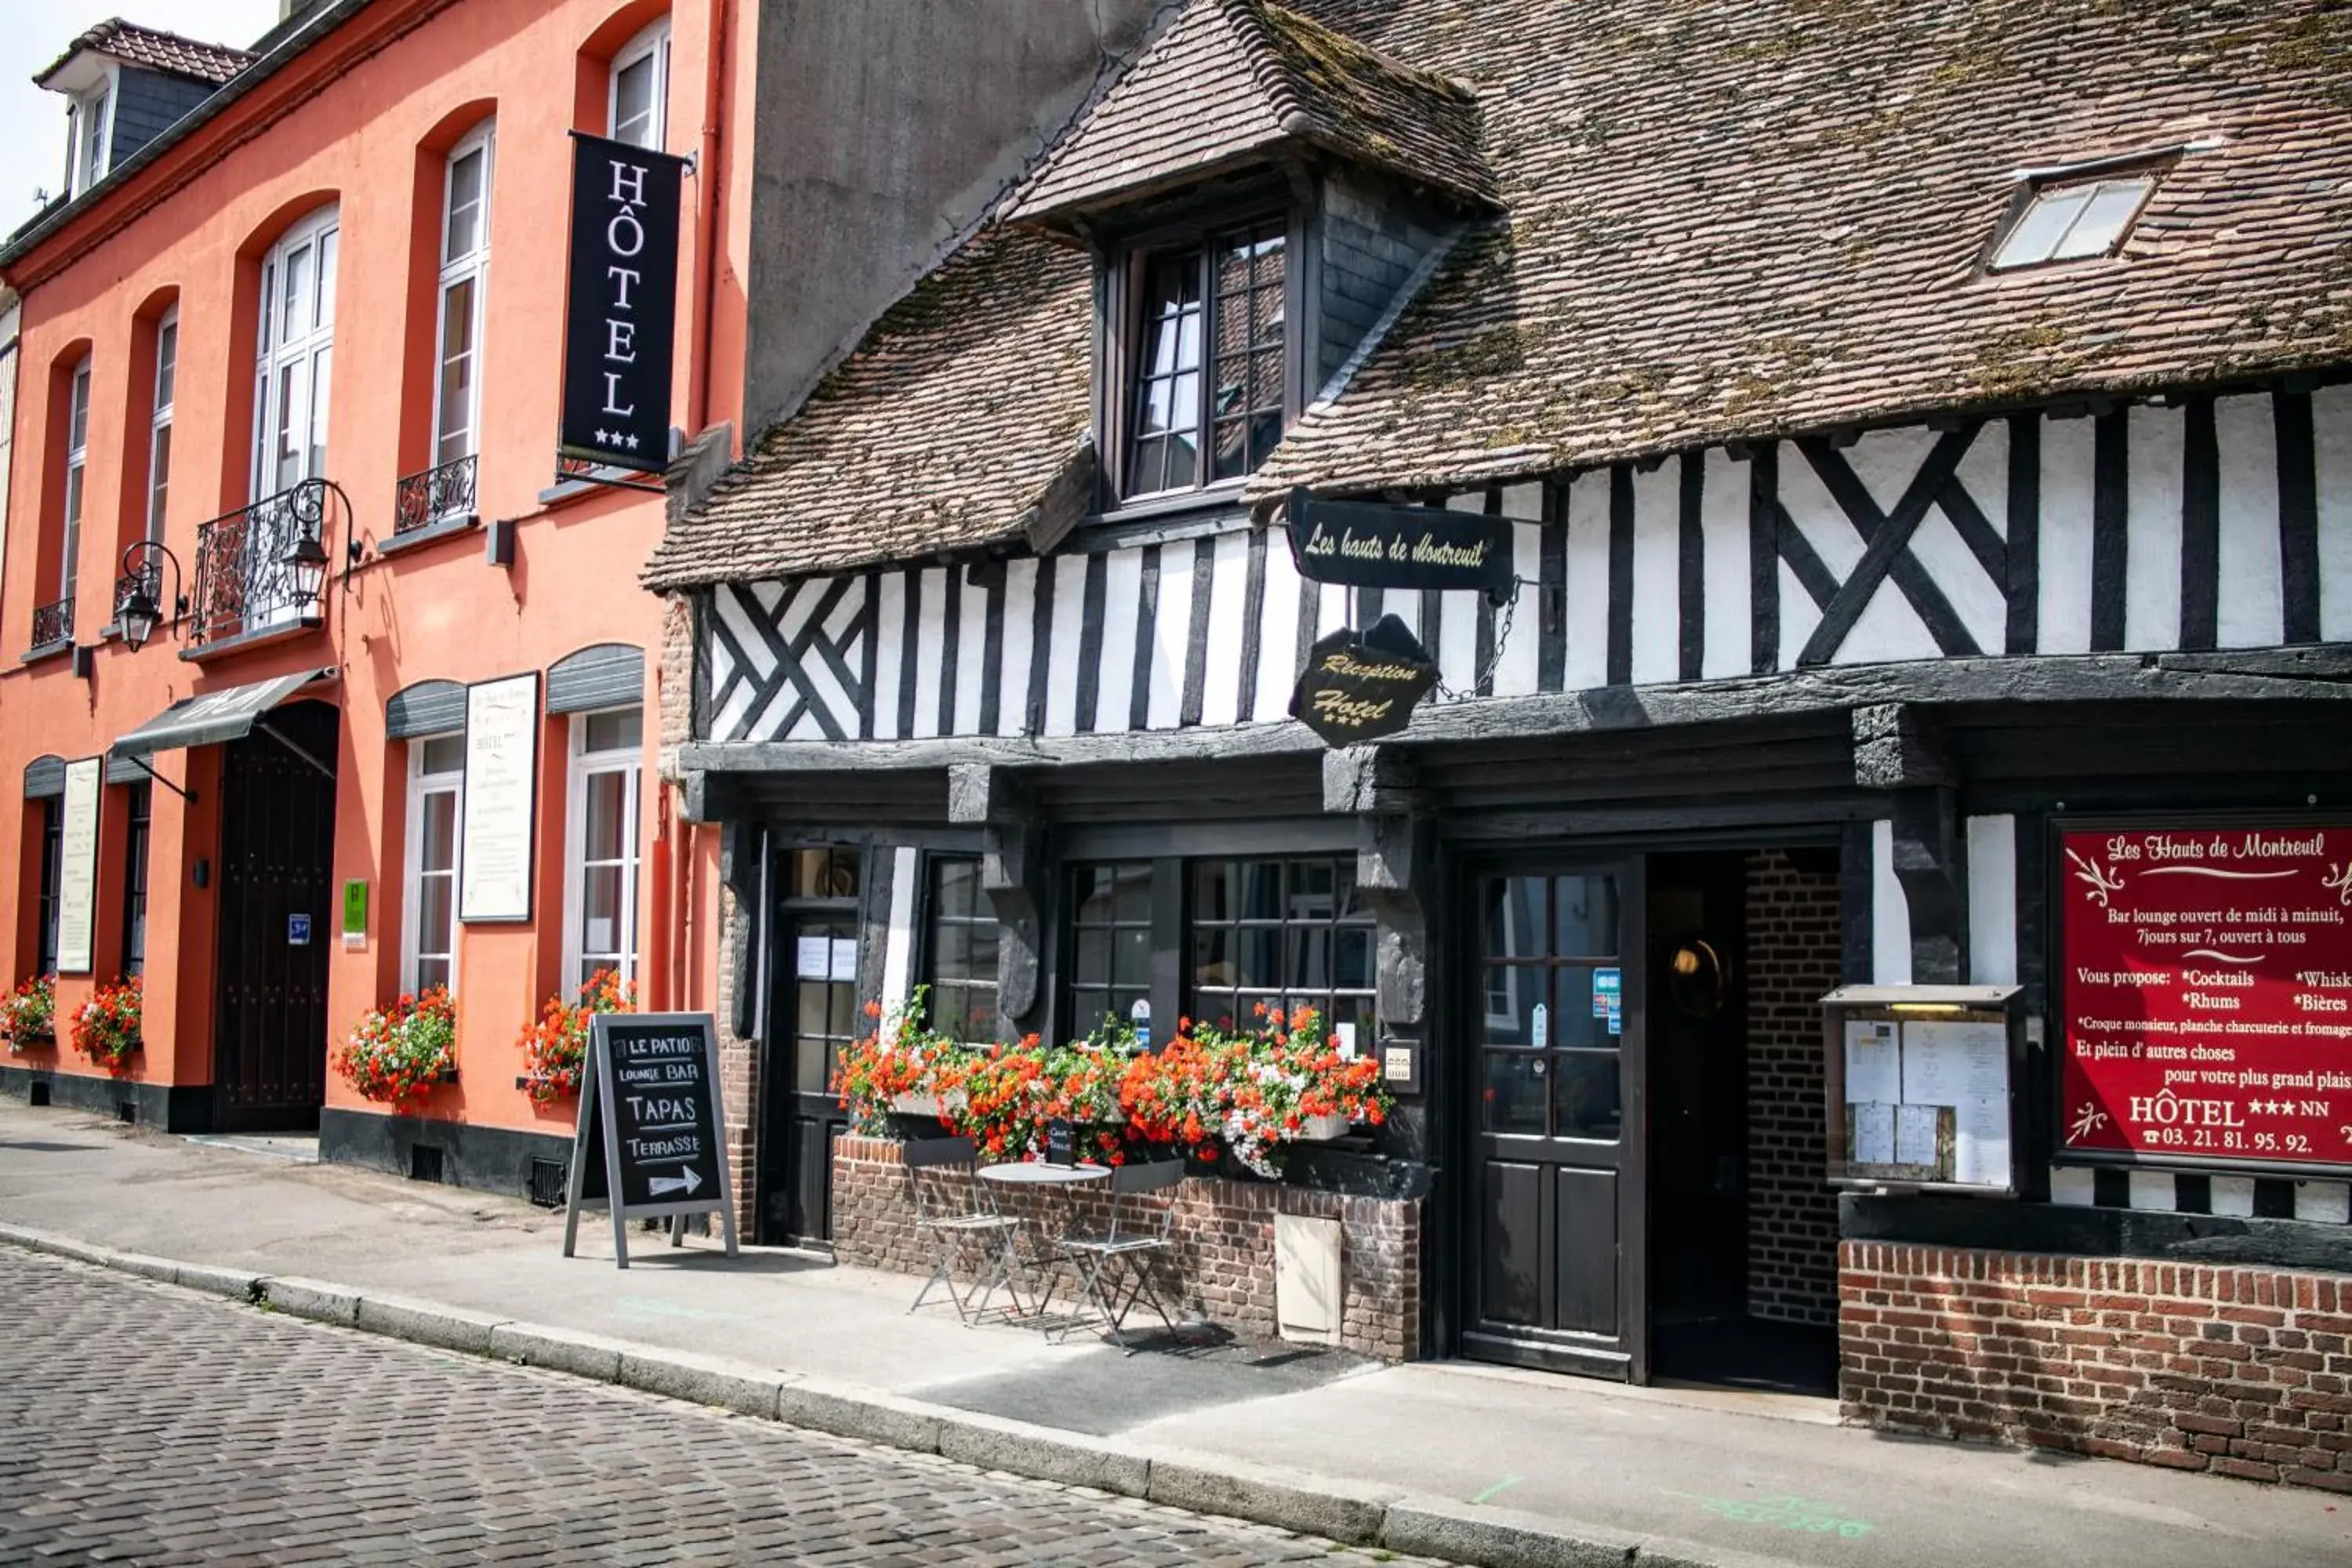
[(1208, 373), (90, 128), (2072, 220)]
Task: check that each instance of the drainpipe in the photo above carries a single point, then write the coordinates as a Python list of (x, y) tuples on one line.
[(714, 183)]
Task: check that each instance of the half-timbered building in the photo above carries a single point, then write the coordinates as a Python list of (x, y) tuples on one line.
[(1921, 433)]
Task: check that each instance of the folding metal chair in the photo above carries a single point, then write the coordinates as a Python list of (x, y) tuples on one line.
[(1114, 1267), (958, 1216)]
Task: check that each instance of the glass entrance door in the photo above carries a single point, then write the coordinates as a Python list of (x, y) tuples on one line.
[(1556, 1122), (814, 1018)]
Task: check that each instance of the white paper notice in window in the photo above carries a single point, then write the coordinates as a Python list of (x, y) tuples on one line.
[(812, 958), (1874, 1068), (844, 958), (501, 789)]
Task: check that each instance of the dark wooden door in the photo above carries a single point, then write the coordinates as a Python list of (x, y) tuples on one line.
[(813, 1015), (1557, 1242), (277, 870)]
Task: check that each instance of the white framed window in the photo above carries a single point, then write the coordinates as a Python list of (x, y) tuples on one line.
[(599, 859), (465, 285), (76, 458), (159, 430), (2068, 222), (428, 905), (92, 133), (294, 361), (639, 108)]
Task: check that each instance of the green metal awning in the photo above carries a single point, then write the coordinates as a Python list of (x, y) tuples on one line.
[(215, 716)]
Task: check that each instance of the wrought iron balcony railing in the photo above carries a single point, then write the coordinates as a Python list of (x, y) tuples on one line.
[(433, 496), (53, 623), (246, 577)]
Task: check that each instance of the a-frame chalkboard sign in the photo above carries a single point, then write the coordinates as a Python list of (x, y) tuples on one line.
[(651, 1139)]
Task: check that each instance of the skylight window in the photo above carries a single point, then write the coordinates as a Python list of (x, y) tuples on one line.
[(2069, 221)]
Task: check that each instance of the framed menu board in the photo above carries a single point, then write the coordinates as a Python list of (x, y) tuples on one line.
[(500, 809), (2205, 985), (78, 868), (1922, 1082)]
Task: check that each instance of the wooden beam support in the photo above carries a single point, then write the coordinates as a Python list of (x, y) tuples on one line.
[(1896, 746), (1012, 872), (1368, 779), (1928, 867)]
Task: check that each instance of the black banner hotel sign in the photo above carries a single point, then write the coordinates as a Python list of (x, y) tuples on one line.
[(621, 304), (1364, 545)]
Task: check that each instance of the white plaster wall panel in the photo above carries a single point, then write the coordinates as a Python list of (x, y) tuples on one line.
[(1890, 917), (2331, 435), (930, 651), (1013, 685), (1723, 522), (737, 716), (1172, 634), (2073, 1186), (1823, 522), (2233, 1195), (1228, 598), (1887, 630), (1457, 640), (1993, 901), (1798, 616), (1886, 462), (2069, 465), (829, 693), (1984, 473), (2152, 559), (899, 946), (2154, 1190), (1404, 604), (2327, 1202), (1982, 603), (1587, 582), (1657, 574), (1278, 644), (972, 659), (1518, 627), (2252, 610), (1062, 651), (787, 612), (1524, 502), (1115, 671), (1331, 614), (889, 641)]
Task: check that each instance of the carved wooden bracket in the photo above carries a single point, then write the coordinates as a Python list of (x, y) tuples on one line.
[(1928, 868), (1012, 874), (1896, 746), (1392, 868)]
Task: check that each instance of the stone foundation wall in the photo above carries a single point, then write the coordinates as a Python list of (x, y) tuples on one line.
[(1222, 1266), (2241, 1370)]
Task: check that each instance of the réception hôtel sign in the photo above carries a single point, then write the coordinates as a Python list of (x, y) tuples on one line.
[(2208, 988), (620, 304)]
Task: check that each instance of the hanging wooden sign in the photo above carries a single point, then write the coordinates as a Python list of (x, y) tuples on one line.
[(1358, 685), (1366, 545), (651, 1137)]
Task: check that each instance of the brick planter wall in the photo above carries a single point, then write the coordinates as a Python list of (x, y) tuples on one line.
[(1222, 1266), (1792, 962), (2241, 1371)]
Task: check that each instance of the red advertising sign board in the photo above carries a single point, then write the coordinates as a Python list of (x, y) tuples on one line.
[(2208, 993)]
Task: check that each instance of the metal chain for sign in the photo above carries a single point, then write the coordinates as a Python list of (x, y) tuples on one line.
[(1486, 672)]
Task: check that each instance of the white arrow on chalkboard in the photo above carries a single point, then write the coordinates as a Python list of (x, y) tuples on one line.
[(688, 1183)]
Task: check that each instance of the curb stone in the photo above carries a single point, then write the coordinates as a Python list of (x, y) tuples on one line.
[(1330, 1508)]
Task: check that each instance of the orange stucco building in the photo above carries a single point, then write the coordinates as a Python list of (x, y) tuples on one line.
[(314, 291)]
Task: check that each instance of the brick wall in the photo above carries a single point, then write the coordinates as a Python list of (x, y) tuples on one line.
[(2243, 1371), (1221, 1268), (739, 1063), (1792, 962)]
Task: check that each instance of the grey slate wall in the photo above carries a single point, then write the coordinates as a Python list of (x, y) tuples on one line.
[(146, 102), (887, 129), (1372, 240)]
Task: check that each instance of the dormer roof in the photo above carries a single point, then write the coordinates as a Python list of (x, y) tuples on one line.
[(145, 48), (1232, 82)]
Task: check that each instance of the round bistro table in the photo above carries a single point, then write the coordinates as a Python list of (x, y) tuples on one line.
[(1063, 1178)]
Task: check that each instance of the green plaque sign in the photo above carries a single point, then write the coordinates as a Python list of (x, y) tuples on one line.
[(355, 907)]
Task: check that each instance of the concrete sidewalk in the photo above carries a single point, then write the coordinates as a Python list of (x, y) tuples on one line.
[(1446, 1459)]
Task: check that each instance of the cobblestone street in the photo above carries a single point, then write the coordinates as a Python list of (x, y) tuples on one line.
[(147, 1424)]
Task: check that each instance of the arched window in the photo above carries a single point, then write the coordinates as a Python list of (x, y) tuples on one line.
[(159, 429), (640, 109), (294, 361), (77, 458), (465, 285)]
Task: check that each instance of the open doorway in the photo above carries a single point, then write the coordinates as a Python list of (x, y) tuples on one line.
[(1740, 946)]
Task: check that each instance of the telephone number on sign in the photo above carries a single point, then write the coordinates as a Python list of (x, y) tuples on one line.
[(2207, 1138)]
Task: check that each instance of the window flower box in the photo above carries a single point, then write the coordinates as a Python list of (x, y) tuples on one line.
[(28, 1016)]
